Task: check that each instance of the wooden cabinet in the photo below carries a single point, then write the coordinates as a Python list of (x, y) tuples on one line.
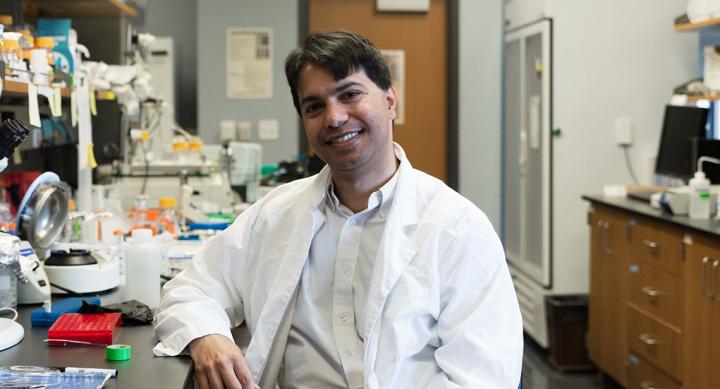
[(665, 274), (702, 314), (609, 251), (642, 375)]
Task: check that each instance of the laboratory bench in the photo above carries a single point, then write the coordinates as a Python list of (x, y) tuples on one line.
[(143, 370), (653, 302)]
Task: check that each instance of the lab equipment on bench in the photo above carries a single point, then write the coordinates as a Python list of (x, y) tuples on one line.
[(42, 317), (9, 270), (82, 269), (34, 285), (43, 211), (70, 269), (11, 332), (144, 264), (77, 329)]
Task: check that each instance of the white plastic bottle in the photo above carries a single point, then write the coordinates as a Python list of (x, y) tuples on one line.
[(143, 261), (699, 207)]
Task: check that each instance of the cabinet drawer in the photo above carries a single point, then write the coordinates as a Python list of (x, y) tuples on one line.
[(658, 246), (655, 342), (657, 292), (642, 375)]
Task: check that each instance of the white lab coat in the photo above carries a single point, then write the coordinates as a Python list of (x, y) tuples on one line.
[(440, 290)]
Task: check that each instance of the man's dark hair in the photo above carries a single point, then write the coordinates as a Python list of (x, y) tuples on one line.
[(341, 53)]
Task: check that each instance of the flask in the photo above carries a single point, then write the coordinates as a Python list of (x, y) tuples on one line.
[(699, 207), (143, 264)]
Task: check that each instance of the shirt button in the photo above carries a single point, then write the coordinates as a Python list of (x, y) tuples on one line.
[(353, 222), (348, 353), (345, 270), (269, 330), (344, 317)]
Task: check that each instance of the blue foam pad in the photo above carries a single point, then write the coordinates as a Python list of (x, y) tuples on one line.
[(40, 318)]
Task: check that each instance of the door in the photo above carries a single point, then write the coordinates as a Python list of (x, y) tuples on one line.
[(700, 330), (422, 37), (527, 151)]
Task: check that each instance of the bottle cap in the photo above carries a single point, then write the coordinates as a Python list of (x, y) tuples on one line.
[(167, 202), (44, 42), (699, 175), (195, 144)]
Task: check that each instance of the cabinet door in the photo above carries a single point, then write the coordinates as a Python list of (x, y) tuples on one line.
[(596, 300), (616, 283), (608, 291), (700, 318)]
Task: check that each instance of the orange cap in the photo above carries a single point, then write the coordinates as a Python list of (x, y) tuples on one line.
[(195, 144), (6, 20), (44, 42), (167, 202), (10, 44), (179, 145)]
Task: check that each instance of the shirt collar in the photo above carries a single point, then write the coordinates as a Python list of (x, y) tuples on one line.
[(381, 198)]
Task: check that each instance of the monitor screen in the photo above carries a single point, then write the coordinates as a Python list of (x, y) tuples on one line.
[(680, 126)]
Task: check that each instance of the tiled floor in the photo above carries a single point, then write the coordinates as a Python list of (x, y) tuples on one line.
[(537, 373)]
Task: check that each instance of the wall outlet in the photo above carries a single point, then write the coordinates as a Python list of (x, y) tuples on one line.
[(268, 129), (227, 131), (244, 130), (623, 131)]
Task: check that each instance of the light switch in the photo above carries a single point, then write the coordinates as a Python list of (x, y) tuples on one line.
[(268, 129), (623, 131), (244, 130), (227, 131)]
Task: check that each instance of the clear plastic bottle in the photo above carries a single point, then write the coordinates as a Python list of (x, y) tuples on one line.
[(140, 218), (195, 151), (143, 266), (699, 207), (179, 150), (167, 218)]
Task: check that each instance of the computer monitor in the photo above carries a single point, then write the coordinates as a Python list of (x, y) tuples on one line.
[(680, 126)]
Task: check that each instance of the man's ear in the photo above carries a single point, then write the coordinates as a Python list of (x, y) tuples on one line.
[(391, 100)]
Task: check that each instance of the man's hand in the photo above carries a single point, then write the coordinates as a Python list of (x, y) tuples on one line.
[(220, 364)]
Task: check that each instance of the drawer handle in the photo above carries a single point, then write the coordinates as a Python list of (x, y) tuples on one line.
[(650, 292), (647, 385), (713, 283), (705, 261), (648, 340), (650, 244), (606, 245)]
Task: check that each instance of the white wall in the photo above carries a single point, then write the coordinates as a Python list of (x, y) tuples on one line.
[(480, 99), (612, 58)]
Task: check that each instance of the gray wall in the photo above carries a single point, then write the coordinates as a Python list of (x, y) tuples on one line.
[(177, 18), (213, 105), (480, 99)]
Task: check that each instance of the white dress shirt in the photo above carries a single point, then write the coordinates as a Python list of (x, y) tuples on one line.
[(325, 348)]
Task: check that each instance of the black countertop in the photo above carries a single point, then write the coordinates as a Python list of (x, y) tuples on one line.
[(143, 370), (709, 226)]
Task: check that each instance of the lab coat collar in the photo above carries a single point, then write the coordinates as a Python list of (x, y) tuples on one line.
[(397, 250)]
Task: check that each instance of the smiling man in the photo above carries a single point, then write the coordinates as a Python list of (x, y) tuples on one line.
[(369, 274)]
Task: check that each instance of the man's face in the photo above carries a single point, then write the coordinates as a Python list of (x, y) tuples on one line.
[(348, 122)]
